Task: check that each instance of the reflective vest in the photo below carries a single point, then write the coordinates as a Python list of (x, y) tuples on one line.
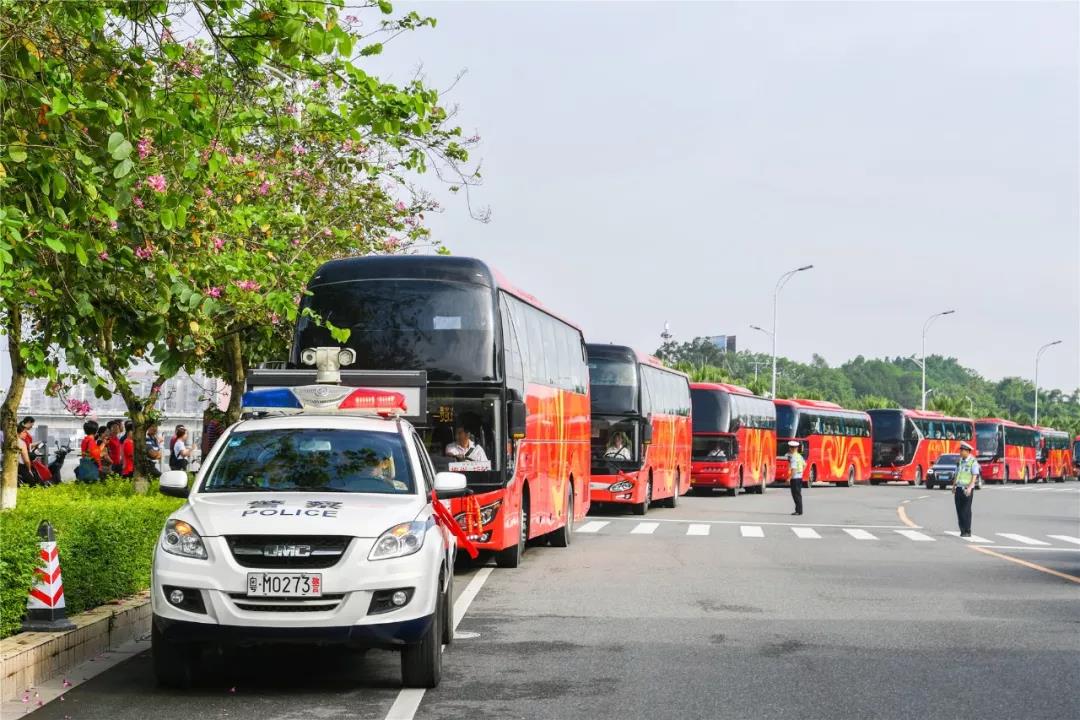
[(966, 472), (797, 463)]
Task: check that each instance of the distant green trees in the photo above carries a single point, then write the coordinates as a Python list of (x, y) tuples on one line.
[(879, 382)]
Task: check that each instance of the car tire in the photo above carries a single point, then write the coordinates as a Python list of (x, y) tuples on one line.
[(174, 663), (643, 507), (421, 663), (448, 609), (561, 538), (511, 557)]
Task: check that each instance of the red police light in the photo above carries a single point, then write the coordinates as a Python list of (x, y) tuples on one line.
[(381, 401)]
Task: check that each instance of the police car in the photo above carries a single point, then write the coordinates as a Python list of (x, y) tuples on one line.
[(314, 523)]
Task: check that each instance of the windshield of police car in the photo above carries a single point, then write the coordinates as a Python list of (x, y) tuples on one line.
[(311, 460)]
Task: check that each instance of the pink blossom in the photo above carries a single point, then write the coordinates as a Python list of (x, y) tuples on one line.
[(249, 285), (155, 389), (392, 242), (214, 292), (351, 18), (166, 35), (137, 201), (103, 256), (275, 318), (32, 292), (113, 225), (207, 192), (263, 188), (473, 139), (410, 221), (399, 206), (145, 252), (81, 408), (326, 232), (196, 70), (145, 147), (290, 109), (299, 149), (218, 243), (238, 159), (157, 183), (295, 242), (316, 85)]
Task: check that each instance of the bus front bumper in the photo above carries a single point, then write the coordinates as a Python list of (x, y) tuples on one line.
[(623, 488), (714, 475)]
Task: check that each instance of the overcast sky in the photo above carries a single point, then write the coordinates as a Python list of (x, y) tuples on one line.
[(652, 162)]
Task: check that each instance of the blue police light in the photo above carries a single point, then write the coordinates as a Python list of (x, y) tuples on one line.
[(271, 399)]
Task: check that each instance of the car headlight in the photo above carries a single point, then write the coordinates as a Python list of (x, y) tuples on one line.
[(930, 472), (621, 486), (181, 539), (487, 514), (399, 541)]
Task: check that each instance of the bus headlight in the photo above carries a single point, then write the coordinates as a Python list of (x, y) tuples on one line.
[(621, 486), (487, 514)]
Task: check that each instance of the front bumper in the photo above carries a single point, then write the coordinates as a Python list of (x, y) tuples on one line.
[(600, 489), (714, 475), (382, 635)]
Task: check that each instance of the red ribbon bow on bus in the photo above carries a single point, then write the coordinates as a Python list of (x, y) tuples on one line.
[(443, 516)]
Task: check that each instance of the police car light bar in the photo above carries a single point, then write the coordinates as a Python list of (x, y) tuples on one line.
[(325, 399)]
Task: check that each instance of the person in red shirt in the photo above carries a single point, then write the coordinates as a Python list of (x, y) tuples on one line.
[(114, 449), (128, 449), (89, 469), (25, 434)]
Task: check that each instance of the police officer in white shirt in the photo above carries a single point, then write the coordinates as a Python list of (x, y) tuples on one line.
[(464, 449), (967, 477)]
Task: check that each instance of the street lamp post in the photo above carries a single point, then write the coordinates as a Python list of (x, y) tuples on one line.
[(925, 327), (763, 330), (775, 298), (1038, 356)]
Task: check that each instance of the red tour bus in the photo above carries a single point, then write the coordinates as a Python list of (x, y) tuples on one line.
[(640, 429), (502, 374), (835, 441), (734, 437), (1006, 451), (1054, 461), (1076, 457), (908, 442)]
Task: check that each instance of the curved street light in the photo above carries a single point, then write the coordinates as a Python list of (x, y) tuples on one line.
[(776, 296), (1038, 356), (926, 326)]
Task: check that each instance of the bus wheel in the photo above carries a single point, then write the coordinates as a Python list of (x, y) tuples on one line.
[(735, 490), (1024, 481), (1005, 480), (562, 536), (918, 477), (811, 477), (764, 479), (511, 557), (643, 507), (673, 501), (850, 477)]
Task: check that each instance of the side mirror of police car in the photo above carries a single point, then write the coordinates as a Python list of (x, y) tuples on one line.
[(449, 483), (174, 483)]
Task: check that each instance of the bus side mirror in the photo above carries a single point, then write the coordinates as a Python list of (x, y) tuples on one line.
[(646, 434), (518, 416)]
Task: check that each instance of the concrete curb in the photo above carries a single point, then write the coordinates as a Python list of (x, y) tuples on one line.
[(30, 659)]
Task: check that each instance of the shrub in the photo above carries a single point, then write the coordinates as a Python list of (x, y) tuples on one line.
[(106, 534)]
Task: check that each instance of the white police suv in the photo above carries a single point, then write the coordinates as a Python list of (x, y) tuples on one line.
[(316, 525)]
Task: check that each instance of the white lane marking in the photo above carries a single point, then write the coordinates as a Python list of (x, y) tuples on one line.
[(697, 529), (860, 534), (1022, 539), (752, 531), (759, 523), (592, 526), (973, 538), (645, 528), (1036, 549), (922, 497), (408, 700), (1067, 538), (915, 535), (805, 533)]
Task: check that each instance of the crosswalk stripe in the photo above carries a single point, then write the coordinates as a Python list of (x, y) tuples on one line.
[(592, 526), (1067, 538), (645, 528), (697, 529), (751, 531), (1023, 539), (804, 533), (973, 538), (915, 535), (860, 534)]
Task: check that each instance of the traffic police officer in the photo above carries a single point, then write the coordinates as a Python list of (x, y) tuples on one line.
[(798, 465), (967, 475)]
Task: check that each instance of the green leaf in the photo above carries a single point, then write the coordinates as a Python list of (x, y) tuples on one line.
[(116, 115), (60, 104), (373, 49), (56, 244), (122, 150), (114, 141), (59, 185), (17, 153), (107, 210), (181, 216), (83, 158), (386, 7), (168, 219), (81, 255), (122, 168)]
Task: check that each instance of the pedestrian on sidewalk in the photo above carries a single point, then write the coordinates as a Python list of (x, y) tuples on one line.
[(797, 464), (127, 447), (114, 449), (967, 476), (89, 469)]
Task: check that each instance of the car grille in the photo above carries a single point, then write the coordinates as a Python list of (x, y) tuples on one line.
[(324, 603), (265, 551)]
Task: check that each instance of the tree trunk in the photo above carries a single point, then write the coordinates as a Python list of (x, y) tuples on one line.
[(9, 410), (237, 377)]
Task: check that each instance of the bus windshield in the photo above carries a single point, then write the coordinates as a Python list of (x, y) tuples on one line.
[(463, 434), (709, 410), (888, 425), (987, 439), (613, 385), (446, 328), (785, 421)]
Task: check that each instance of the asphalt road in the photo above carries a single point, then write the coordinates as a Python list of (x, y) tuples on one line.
[(721, 608)]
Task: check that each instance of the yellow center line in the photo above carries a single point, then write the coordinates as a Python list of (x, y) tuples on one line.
[(1025, 563), (903, 517)]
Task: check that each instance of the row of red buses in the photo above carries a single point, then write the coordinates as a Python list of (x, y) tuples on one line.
[(1076, 456), (906, 443), (835, 442), (734, 438), (641, 432), (1054, 458), (1006, 451), (501, 371)]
